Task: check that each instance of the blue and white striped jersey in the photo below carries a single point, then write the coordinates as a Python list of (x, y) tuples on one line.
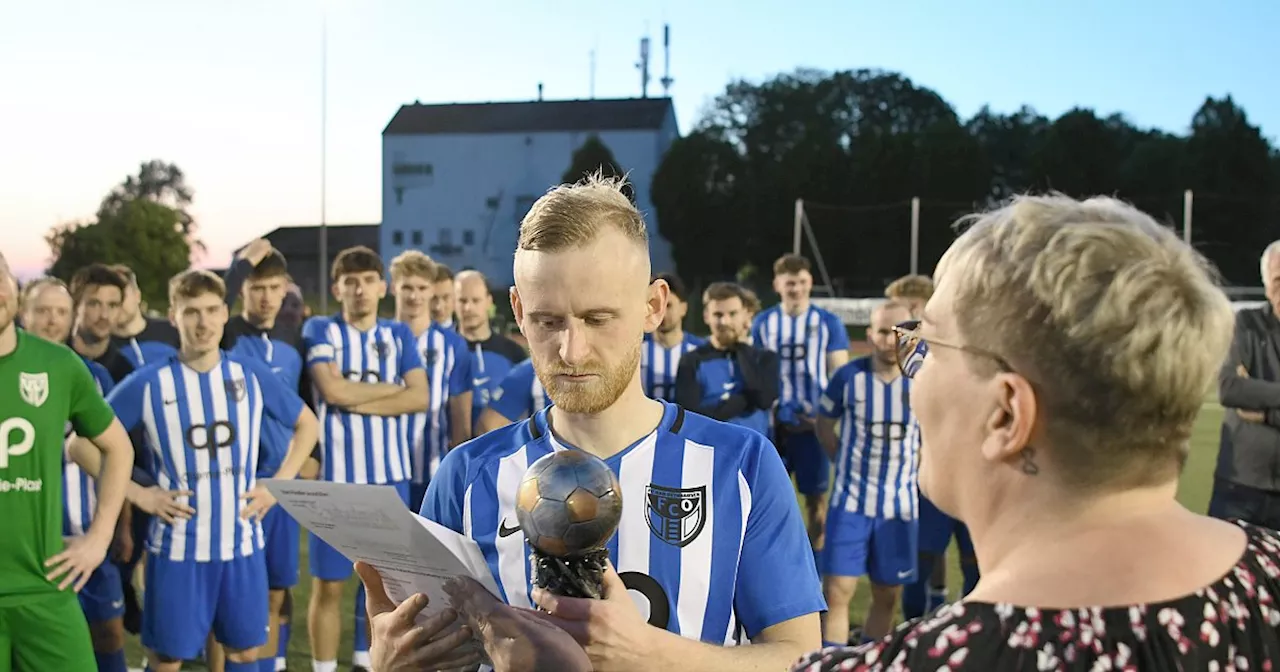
[(710, 536), (362, 448), (802, 343), (877, 467), (448, 362), (658, 365), (202, 431), (79, 493), (521, 393)]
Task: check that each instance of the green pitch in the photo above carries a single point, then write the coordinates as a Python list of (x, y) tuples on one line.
[(1197, 483)]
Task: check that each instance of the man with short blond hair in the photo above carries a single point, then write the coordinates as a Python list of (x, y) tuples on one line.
[(447, 421), (583, 297)]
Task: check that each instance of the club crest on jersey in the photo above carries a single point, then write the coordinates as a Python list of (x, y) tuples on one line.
[(236, 386), (381, 350), (34, 387), (675, 515)]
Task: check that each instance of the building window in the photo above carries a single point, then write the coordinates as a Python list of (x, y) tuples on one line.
[(446, 238), (397, 238), (417, 238), (468, 237)]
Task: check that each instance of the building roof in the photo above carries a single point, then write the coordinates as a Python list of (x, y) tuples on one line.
[(624, 114), (300, 241)]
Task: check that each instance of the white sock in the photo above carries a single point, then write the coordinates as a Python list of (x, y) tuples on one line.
[(282, 664), (361, 659), (326, 666)]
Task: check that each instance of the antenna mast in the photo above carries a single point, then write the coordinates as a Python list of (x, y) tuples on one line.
[(643, 65), (666, 61), (592, 87)]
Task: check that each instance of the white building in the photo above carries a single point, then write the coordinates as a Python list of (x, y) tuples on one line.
[(457, 179)]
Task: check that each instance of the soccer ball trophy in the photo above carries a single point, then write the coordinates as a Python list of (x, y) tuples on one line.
[(569, 505)]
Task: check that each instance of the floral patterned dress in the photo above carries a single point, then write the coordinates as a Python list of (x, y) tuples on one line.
[(1232, 625)]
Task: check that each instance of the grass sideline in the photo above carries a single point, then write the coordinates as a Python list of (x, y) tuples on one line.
[(1193, 492)]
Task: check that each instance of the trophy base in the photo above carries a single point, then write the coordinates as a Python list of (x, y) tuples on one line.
[(576, 576)]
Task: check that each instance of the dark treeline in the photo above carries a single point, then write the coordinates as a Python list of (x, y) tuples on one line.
[(858, 145)]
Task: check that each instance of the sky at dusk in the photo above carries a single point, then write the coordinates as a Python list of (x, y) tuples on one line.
[(230, 91)]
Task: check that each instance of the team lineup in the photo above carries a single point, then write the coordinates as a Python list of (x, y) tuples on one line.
[(165, 428)]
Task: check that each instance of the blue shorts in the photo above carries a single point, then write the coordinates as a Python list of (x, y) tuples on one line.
[(858, 545), (185, 601), (280, 532), (328, 564), (805, 458), (102, 598), (937, 528)]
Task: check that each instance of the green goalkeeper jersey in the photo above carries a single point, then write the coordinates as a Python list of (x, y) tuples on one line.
[(43, 386)]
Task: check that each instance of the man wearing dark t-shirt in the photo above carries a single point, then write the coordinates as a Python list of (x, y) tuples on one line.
[(493, 353), (141, 339), (98, 293)]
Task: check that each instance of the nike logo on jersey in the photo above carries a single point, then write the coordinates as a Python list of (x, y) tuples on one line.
[(505, 531), (905, 575)]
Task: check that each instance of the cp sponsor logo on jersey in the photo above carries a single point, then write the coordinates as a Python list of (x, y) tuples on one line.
[(17, 436), (675, 515), (34, 388)]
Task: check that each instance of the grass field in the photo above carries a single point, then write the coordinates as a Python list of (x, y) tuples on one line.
[(1197, 482)]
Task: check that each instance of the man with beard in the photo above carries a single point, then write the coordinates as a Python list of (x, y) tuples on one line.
[(663, 348), (368, 375), (584, 299), (873, 515), (98, 293), (46, 388), (493, 354), (141, 339), (728, 379)]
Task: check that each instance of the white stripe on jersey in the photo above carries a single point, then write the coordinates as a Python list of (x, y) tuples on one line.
[(801, 342), (363, 448), (218, 477), (876, 468), (659, 365), (426, 435)]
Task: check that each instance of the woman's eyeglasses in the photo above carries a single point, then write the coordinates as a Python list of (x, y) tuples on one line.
[(911, 348)]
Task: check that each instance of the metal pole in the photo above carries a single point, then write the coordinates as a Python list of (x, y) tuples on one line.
[(324, 181), (915, 235), (1187, 199), (796, 233)]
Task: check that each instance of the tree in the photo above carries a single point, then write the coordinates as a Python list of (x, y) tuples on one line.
[(161, 182), (858, 145), (592, 157), (144, 235)]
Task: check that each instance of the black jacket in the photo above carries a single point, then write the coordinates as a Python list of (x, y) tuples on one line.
[(757, 368), (1250, 451)]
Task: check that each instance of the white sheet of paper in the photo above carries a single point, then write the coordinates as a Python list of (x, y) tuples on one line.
[(370, 524)]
